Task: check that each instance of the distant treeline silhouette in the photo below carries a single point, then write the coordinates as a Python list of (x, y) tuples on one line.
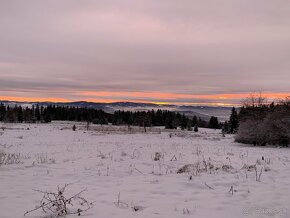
[(169, 119)]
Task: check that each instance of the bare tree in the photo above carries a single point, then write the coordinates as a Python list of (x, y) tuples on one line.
[(255, 100)]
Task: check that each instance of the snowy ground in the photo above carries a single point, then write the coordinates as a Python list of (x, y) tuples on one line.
[(117, 163)]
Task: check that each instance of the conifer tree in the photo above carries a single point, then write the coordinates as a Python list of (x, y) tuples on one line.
[(183, 122), (195, 128), (214, 123), (233, 122)]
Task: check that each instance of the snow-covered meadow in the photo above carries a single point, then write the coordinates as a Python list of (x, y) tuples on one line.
[(134, 174)]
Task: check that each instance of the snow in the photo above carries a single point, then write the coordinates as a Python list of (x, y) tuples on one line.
[(111, 163)]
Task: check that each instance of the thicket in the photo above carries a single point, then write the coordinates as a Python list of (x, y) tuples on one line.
[(261, 123)]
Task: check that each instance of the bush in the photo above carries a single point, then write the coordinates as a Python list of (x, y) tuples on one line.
[(9, 158), (265, 124)]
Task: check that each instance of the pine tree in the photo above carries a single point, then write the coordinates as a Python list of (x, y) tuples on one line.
[(225, 128), (195, 128), (214, 123), (189, 126), (194, 120), (183, 122), (2, 112), (233, 122), (19, 114)]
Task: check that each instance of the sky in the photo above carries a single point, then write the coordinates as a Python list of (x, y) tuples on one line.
[(160, 51)]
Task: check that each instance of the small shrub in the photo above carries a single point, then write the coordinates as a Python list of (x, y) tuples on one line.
[(9, 158), (205, 167), (157, 156), (186, 168), (57, 204), (44, 159)]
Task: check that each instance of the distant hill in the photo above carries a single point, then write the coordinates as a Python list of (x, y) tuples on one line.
[(204, 112)]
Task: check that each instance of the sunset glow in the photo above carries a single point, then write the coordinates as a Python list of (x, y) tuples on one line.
[(153, 97)]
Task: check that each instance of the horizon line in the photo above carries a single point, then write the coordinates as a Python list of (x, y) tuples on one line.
[(157, 98)]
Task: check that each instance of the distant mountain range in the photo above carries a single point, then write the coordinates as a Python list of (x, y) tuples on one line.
[(204, 112)]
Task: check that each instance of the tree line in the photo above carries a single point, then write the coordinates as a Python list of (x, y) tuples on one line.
[(169, 119), (18, 114)]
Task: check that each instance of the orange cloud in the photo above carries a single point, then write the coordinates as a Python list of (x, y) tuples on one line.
[(228, 99), (32, 99)]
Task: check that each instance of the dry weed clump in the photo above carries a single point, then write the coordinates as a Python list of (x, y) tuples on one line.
[(42, 158), (205, 167), (9, 158), (124, 205), (57, 204), (157, 156)]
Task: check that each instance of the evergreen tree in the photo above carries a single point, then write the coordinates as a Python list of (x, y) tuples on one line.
[(46, 115), (2, 112), (194, 120), (10, 115), (37, 113), (168, 123), (233, 122), (225, 128), (19, 114), (195, 128), (214, 123), (189, 125), (183, 122)]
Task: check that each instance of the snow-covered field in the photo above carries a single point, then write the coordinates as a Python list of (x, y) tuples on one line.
[(118, 166)]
